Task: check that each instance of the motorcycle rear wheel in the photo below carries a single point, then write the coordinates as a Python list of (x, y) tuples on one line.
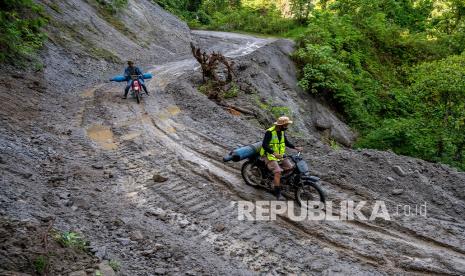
[(251, 174)]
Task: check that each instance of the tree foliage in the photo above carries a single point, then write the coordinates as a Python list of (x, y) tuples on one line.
[(394, 69), (301, 10)]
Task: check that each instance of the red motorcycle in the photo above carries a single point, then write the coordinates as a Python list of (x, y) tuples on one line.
[(136, 88)]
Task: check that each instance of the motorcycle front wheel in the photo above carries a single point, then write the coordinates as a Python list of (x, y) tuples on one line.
[(309, 192), (251, 174), (138, 97)]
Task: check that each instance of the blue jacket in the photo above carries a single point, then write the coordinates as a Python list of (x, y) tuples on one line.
[(128, 72)]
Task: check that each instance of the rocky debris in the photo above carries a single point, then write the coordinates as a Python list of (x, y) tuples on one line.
[(424, 179), (108, 173), (81, 203), (219, 227), (124, 241), (99, 252), (390, 178), (159, 213), (159, 178), (160, 271), (64, 195), (105, 269), (78, 273), (183, 223), (97, 166), (397, 191), (137, 235), (22, 244), (399, 171)]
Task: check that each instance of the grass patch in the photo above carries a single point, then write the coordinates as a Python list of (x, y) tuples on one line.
[(232, 92), (71, 240), (115, 265), (206, 87), (276, 110), (334, 145), (109, 12), (105, 54), (40, 264)]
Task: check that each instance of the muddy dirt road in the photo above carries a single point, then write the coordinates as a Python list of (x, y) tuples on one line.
[(97, 179), (163, 136)]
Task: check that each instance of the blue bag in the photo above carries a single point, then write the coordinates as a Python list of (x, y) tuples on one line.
[(118, 78), (121, 78), (147, 76)]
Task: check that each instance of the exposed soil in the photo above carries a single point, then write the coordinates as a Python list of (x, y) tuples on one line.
[(145, 184)]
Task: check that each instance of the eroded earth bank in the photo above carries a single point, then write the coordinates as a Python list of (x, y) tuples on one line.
[(76, 157)]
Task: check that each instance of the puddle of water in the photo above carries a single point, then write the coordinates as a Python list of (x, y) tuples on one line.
[(89, 93), (146, 118), (163, 116), (102, 135), (170, 129), (173, 110)]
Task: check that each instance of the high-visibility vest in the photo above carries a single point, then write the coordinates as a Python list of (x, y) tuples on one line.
[(277, 145)]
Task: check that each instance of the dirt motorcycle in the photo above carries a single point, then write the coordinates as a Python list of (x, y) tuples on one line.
[(297, 183), (136, 88)]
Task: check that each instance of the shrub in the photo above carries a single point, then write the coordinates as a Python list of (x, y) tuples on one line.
[(20, 29)]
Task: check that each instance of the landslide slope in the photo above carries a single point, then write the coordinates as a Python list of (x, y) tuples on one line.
[(73, 150)]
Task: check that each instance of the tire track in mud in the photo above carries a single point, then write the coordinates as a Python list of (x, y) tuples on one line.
[(196, 190), (396, 230), (184, 196), (236, 187), (335, 243)]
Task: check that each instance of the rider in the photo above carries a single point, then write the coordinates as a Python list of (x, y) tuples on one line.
[(273, 148), (128, 72)]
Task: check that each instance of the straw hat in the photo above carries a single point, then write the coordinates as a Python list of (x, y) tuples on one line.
[(283, 121)]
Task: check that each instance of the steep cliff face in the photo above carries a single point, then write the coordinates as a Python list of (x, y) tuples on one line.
[(86, 41), (145, 185)]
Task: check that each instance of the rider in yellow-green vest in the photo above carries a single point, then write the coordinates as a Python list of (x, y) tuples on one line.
[(273, 148)]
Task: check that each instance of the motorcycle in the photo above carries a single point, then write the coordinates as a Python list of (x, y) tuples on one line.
[(298, 182), (136, 88)]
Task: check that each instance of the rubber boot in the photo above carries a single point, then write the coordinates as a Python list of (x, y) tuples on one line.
[(277, 192)]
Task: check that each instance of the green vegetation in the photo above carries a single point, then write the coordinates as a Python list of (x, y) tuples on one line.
[(108, 10), (113, 6), (20, 29), (40, 264), (213, 91), (115, 265), (393, 68), (247, 16), (276, 110), (206, 88), (71, 240), (232, 92)]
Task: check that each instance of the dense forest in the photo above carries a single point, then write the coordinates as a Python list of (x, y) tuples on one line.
[(395, 69)]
